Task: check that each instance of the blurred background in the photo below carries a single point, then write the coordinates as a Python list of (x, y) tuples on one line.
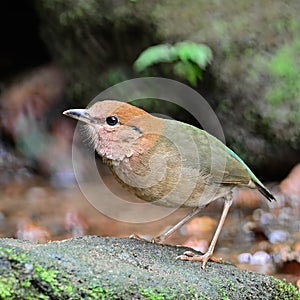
[(243, 57)]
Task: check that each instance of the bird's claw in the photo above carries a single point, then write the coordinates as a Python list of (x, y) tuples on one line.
[(191, 256), (137, 237), (156, 240)]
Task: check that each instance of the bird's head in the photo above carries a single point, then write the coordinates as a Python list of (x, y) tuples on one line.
[(117, 129)]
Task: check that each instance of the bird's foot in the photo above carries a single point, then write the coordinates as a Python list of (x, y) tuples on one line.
[(137, 237), (191, 256), (156, 240)]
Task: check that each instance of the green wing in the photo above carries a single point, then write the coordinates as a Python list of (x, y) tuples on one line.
[(212, 157), (208, 154), (236, 171)]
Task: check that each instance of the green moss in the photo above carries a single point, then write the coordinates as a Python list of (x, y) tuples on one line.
[(15, 288), (6, 284), (23, 279), (286, 291), (97, 292), (16, 280), (150, 294), (159, 294), (48, 276)]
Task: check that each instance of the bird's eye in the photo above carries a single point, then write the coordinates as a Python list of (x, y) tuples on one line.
[(112, 120)]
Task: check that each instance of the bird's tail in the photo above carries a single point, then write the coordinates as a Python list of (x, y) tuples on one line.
[(263, 190)]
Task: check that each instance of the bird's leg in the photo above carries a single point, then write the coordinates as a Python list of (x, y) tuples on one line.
[(188, 255), (161, 238)]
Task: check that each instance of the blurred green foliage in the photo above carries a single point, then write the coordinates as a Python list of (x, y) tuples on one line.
[(284, 68), (252, 81), (278, 76), (189, 59)]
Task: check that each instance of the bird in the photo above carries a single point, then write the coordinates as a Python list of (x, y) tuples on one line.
[(167, 162)]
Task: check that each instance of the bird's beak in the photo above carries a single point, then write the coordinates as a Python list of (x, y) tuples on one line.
[(81, 115)]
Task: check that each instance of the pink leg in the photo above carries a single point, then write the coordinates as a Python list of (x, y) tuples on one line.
[(160, 239), (188, 255)]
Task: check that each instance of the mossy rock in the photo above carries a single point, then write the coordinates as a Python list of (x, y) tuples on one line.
[(117, 268)]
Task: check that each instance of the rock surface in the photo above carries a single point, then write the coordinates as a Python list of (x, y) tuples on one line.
[(94, 267)]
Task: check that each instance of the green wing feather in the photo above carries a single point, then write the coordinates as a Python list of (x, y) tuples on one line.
[(233, 170)]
